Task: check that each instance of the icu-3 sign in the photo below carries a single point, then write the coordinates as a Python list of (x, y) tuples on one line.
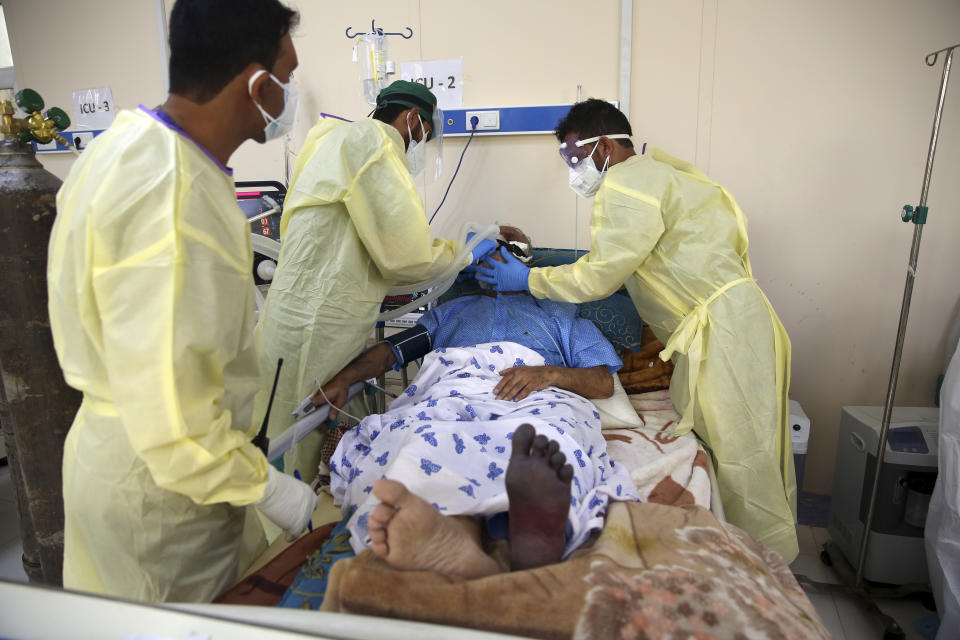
[(93, 112), (93, 108)]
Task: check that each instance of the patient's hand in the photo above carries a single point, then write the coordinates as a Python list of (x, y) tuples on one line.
[(337, 391), (519, 382)]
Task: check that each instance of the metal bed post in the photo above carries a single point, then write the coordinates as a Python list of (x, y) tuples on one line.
[(382, 378)]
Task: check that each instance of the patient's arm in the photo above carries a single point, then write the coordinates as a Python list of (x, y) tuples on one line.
[(519, 382), (369, 364)]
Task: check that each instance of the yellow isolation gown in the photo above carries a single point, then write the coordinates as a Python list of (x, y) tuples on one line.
[(353, 225), (152, 312), (678, 241)]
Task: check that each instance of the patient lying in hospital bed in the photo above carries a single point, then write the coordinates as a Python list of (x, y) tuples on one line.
[(449, 445), (655, 570)]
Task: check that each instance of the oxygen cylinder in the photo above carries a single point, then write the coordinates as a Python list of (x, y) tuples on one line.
[(36, 405)]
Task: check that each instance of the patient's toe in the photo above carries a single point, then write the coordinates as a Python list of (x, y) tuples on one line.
[(565, 473), (378, 542), (522, 440), (381, 514), (390, 491), (540, 443), (557, 460)]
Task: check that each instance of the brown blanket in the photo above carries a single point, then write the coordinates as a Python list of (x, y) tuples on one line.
[(654, 572)]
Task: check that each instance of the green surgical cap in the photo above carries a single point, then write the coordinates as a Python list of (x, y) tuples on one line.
[(409, 94)]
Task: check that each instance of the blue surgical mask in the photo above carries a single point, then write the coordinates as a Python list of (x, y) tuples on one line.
[(416, 151), (283, 124)]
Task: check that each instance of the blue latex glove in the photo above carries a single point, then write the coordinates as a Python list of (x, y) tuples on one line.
[(511, 275), (483, 249)]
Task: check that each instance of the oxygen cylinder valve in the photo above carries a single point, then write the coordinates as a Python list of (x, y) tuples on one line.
[(35, 127)]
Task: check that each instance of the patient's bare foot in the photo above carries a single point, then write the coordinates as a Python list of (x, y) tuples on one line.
[(410, 534), (538, 487)]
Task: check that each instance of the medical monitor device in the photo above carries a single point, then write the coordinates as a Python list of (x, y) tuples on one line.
[(261, 203)]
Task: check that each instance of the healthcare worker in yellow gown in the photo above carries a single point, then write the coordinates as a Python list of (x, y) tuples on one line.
[(678, 241), (353, 225), (151, 300)]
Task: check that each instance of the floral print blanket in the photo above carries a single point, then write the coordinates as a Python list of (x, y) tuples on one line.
[(448, 439), (655, 571)]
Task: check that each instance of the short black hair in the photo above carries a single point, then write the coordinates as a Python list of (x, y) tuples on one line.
[(212, 41), (592, 118), (389, 112)]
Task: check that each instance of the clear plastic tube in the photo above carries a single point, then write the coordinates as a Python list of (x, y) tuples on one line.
[(482, 233), (439, 284)]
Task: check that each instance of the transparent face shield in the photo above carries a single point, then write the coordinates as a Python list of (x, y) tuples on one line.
[(575, 151), (438, 136)]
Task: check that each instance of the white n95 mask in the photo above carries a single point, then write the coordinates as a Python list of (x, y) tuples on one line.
[(283, 123), (416, 150), (585, 179)]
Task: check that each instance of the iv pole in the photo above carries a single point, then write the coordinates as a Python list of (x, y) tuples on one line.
[(919, 217)]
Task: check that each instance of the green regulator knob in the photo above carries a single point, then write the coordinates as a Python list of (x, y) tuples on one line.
[(34, 127), (59, 117), (29, 100)]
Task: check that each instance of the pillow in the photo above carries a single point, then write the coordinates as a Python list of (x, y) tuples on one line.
[(617, 318), (616, 412)]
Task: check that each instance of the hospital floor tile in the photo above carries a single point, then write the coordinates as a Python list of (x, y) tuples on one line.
[(809, 565), (846, 616), (908, 612), (857, 621), (825, 606)]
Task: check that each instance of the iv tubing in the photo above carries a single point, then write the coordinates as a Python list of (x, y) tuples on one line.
[(333, 406)]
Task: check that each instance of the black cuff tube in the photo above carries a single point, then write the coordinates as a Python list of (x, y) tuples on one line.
[(410, 344)]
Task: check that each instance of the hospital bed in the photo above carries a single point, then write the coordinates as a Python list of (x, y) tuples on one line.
[(81, 615), (641, 441), (680, 462)]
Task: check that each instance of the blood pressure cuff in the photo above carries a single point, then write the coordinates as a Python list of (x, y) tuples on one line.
[(409, 344)]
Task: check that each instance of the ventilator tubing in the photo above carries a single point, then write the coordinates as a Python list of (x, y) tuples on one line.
[(439, 285)]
